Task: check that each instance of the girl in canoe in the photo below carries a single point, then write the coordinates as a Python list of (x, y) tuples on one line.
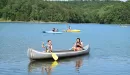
[(78, 45), (48, 46)]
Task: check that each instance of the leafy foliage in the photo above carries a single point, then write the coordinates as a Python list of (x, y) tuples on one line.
[(84, 11)]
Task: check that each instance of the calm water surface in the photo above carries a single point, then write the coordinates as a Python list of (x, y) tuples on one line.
[(109, 54)]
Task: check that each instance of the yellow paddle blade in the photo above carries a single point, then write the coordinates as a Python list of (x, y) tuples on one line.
[(54, 64), (55, 57)]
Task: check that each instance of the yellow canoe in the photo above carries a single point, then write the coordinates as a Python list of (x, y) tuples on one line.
[(74, 30)]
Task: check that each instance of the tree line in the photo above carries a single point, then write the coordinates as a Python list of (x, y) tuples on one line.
[(84, 11)]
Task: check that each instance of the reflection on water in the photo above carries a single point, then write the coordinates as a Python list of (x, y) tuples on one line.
[(78, 64), (47, 69), (47, 66)]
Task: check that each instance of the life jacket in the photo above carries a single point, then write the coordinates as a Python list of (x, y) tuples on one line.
[(78, 44), (48, 46)]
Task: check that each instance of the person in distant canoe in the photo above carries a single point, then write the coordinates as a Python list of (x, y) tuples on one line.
[(54, 30), (78, 45), (69, 28), (48, 46)]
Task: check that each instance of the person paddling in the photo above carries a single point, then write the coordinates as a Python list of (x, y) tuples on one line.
[(78, 45), (54, 30), (48, 46), (69, 28)]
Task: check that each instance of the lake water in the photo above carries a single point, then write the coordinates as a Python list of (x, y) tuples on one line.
[(109, 53)]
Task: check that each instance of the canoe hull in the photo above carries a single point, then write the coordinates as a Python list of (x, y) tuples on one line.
[(72, 30), (52, 32), (34, 54)]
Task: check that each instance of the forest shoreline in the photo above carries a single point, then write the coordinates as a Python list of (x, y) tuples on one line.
[(105, 12)]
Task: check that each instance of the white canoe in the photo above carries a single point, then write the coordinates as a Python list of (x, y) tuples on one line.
[(34, 54)]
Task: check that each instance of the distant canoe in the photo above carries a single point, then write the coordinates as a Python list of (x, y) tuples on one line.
[(34, 54), (74, 30), (52, 32)]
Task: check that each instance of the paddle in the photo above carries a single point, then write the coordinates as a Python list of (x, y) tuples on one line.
[(55, 57)]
